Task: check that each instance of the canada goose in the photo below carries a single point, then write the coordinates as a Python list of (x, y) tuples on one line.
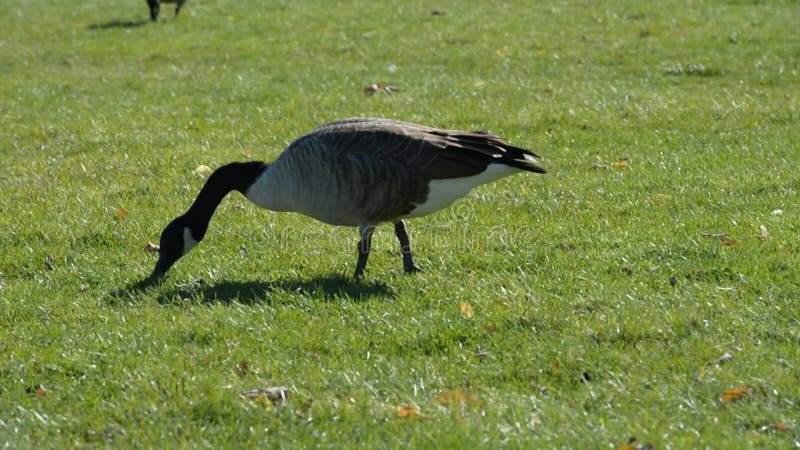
[(356, 172), (155, 5)]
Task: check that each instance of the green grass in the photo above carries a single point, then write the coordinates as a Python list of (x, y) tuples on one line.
[(599, 306)]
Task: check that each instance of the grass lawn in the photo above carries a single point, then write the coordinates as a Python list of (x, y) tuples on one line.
[(646, 287)]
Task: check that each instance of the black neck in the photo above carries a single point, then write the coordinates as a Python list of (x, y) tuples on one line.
[(234, 176)]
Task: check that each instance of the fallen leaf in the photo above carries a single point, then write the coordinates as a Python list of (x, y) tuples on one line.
[(406, 411), (502, 51), (242, 369), (202, 170), (38, 389), (121, 213), (380, 87), (274, 394), (632, 445), (621, 164), (723, 359), (734, 394), (150, 247), (661, 198), (726, 240), (714, 235), (466, 310), (762, 232), (491, 327), (456, 397)]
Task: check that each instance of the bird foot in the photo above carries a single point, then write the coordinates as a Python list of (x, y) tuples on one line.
[(412, 269)]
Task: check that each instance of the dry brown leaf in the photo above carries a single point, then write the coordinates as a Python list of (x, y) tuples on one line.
[(621, 164), (734, 394), (456, 397), (121, 213), (406, 411), (466, 310), (39, 390), (380, 87), (491, 327), (242, 369), (728, 241)]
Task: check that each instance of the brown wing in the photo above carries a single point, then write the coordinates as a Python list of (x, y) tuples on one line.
[(383, 167), (432, 153)]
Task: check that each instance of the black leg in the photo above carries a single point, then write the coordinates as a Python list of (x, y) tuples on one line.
[(363, 247), (405, 248), (178, 8), (154, 6)]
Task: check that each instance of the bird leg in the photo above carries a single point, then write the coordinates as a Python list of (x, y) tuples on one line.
[(363, 248), (154, 7), (405, 248)]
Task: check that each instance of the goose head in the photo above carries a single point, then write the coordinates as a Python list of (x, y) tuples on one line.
[(177, 239)]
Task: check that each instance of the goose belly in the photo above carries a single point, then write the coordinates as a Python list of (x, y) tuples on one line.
[(442, 193)]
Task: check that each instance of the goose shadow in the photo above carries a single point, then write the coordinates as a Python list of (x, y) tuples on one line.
[(117, 24), (329, 287)]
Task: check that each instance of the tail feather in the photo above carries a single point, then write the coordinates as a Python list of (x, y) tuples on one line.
[(483, 142), (521, 159)]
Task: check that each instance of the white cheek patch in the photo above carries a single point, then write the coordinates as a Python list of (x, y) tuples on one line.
[(188, 240)]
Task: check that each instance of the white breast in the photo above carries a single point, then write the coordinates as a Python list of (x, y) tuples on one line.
[(442, 193)]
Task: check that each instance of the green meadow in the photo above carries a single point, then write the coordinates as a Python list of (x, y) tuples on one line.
[(642, 294)]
